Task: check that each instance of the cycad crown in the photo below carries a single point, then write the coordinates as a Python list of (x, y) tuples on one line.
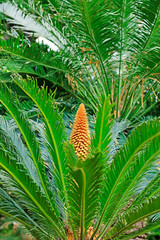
[(80, 136)]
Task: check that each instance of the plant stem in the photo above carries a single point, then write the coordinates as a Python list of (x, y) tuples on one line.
[(82, 223), (121, 65)]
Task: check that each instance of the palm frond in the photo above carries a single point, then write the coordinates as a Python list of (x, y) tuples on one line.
[(54, 130), (150, 227), (141, 167), (28, 23), (12, 143), (6, 97), (86, 16), (84, 185), (136, 22), (122, 163), (35, 53), (103, 125), (118, 137), (138, 110), (32, 195), (11, 66), (151, 190), (9, 207), (144, 210)]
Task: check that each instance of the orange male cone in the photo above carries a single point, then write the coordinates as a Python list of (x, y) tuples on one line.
[(80, 136)]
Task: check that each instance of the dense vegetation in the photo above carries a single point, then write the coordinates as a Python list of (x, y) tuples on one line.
[(105, 54), (101, 46)]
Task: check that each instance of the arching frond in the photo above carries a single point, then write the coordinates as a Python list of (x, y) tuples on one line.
[(35, 54), (144, 210), (9, 207), (85, 180), (152, 189), (54, 130), (32, 195), (150, 227), (29, 24), (142, 165), (117, 176), (12, 143), (103, 125)]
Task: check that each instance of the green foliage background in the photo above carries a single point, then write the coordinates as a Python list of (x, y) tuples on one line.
[(108, 57)]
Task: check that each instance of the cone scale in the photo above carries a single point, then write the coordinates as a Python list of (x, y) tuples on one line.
[(80, 136)]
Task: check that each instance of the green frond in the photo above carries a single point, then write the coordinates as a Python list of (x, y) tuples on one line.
[(103, 125), (54, 130), (84, 184), (132, 108), (11, 66), (7, 99), (94, 169), (136, 24), (123, 161), (28, 23), (118, 137), (9, 207), (146, 209), (150, 227), (137, 21), (16, 65), (151, 190), (150, 16), (86, 19), (140, 167), (32, 195), (12, 143), (35, 54)]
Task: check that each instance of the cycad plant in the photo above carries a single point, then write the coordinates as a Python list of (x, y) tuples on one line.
[(105, 46), (75, 188)]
